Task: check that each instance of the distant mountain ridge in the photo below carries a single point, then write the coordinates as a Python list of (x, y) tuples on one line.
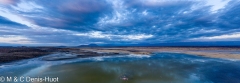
[(89, 45), (222, 43)]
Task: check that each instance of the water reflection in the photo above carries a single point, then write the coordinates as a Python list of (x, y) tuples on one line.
[(158, 68), (161, 67)]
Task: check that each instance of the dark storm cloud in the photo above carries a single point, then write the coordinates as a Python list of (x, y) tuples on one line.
[(76, 15), (229, 18), (169, 19), (121, 21)]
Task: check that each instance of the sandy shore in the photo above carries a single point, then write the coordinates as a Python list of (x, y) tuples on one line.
[(215, 52)]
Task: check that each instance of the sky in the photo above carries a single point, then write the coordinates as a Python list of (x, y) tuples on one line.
[(77, 22)]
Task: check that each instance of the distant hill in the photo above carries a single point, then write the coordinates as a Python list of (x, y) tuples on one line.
[(89, 45)]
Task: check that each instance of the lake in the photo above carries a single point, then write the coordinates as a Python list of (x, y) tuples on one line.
[(155, 68)]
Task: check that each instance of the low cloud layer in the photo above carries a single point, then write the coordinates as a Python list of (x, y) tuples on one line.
[(75, 22)]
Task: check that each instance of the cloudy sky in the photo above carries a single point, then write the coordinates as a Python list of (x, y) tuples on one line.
[(75, 22)]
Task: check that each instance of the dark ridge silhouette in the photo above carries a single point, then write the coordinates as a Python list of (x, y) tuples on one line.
[(89, 45)]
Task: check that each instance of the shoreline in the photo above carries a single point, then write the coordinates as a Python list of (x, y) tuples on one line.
[(19, 53), (213, 52)]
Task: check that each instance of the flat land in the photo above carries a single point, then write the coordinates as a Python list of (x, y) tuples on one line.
[(214, 52), (9, 54)]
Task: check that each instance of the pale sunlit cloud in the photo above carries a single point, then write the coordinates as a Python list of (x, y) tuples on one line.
[(6, 2), (217, 4), (27, 6), (229, 37), (15, 39), (97, 34), (16, 18)]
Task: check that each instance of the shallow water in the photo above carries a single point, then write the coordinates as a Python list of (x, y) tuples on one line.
[(157, 68)]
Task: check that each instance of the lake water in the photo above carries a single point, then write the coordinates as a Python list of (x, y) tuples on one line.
[(155, 68)]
